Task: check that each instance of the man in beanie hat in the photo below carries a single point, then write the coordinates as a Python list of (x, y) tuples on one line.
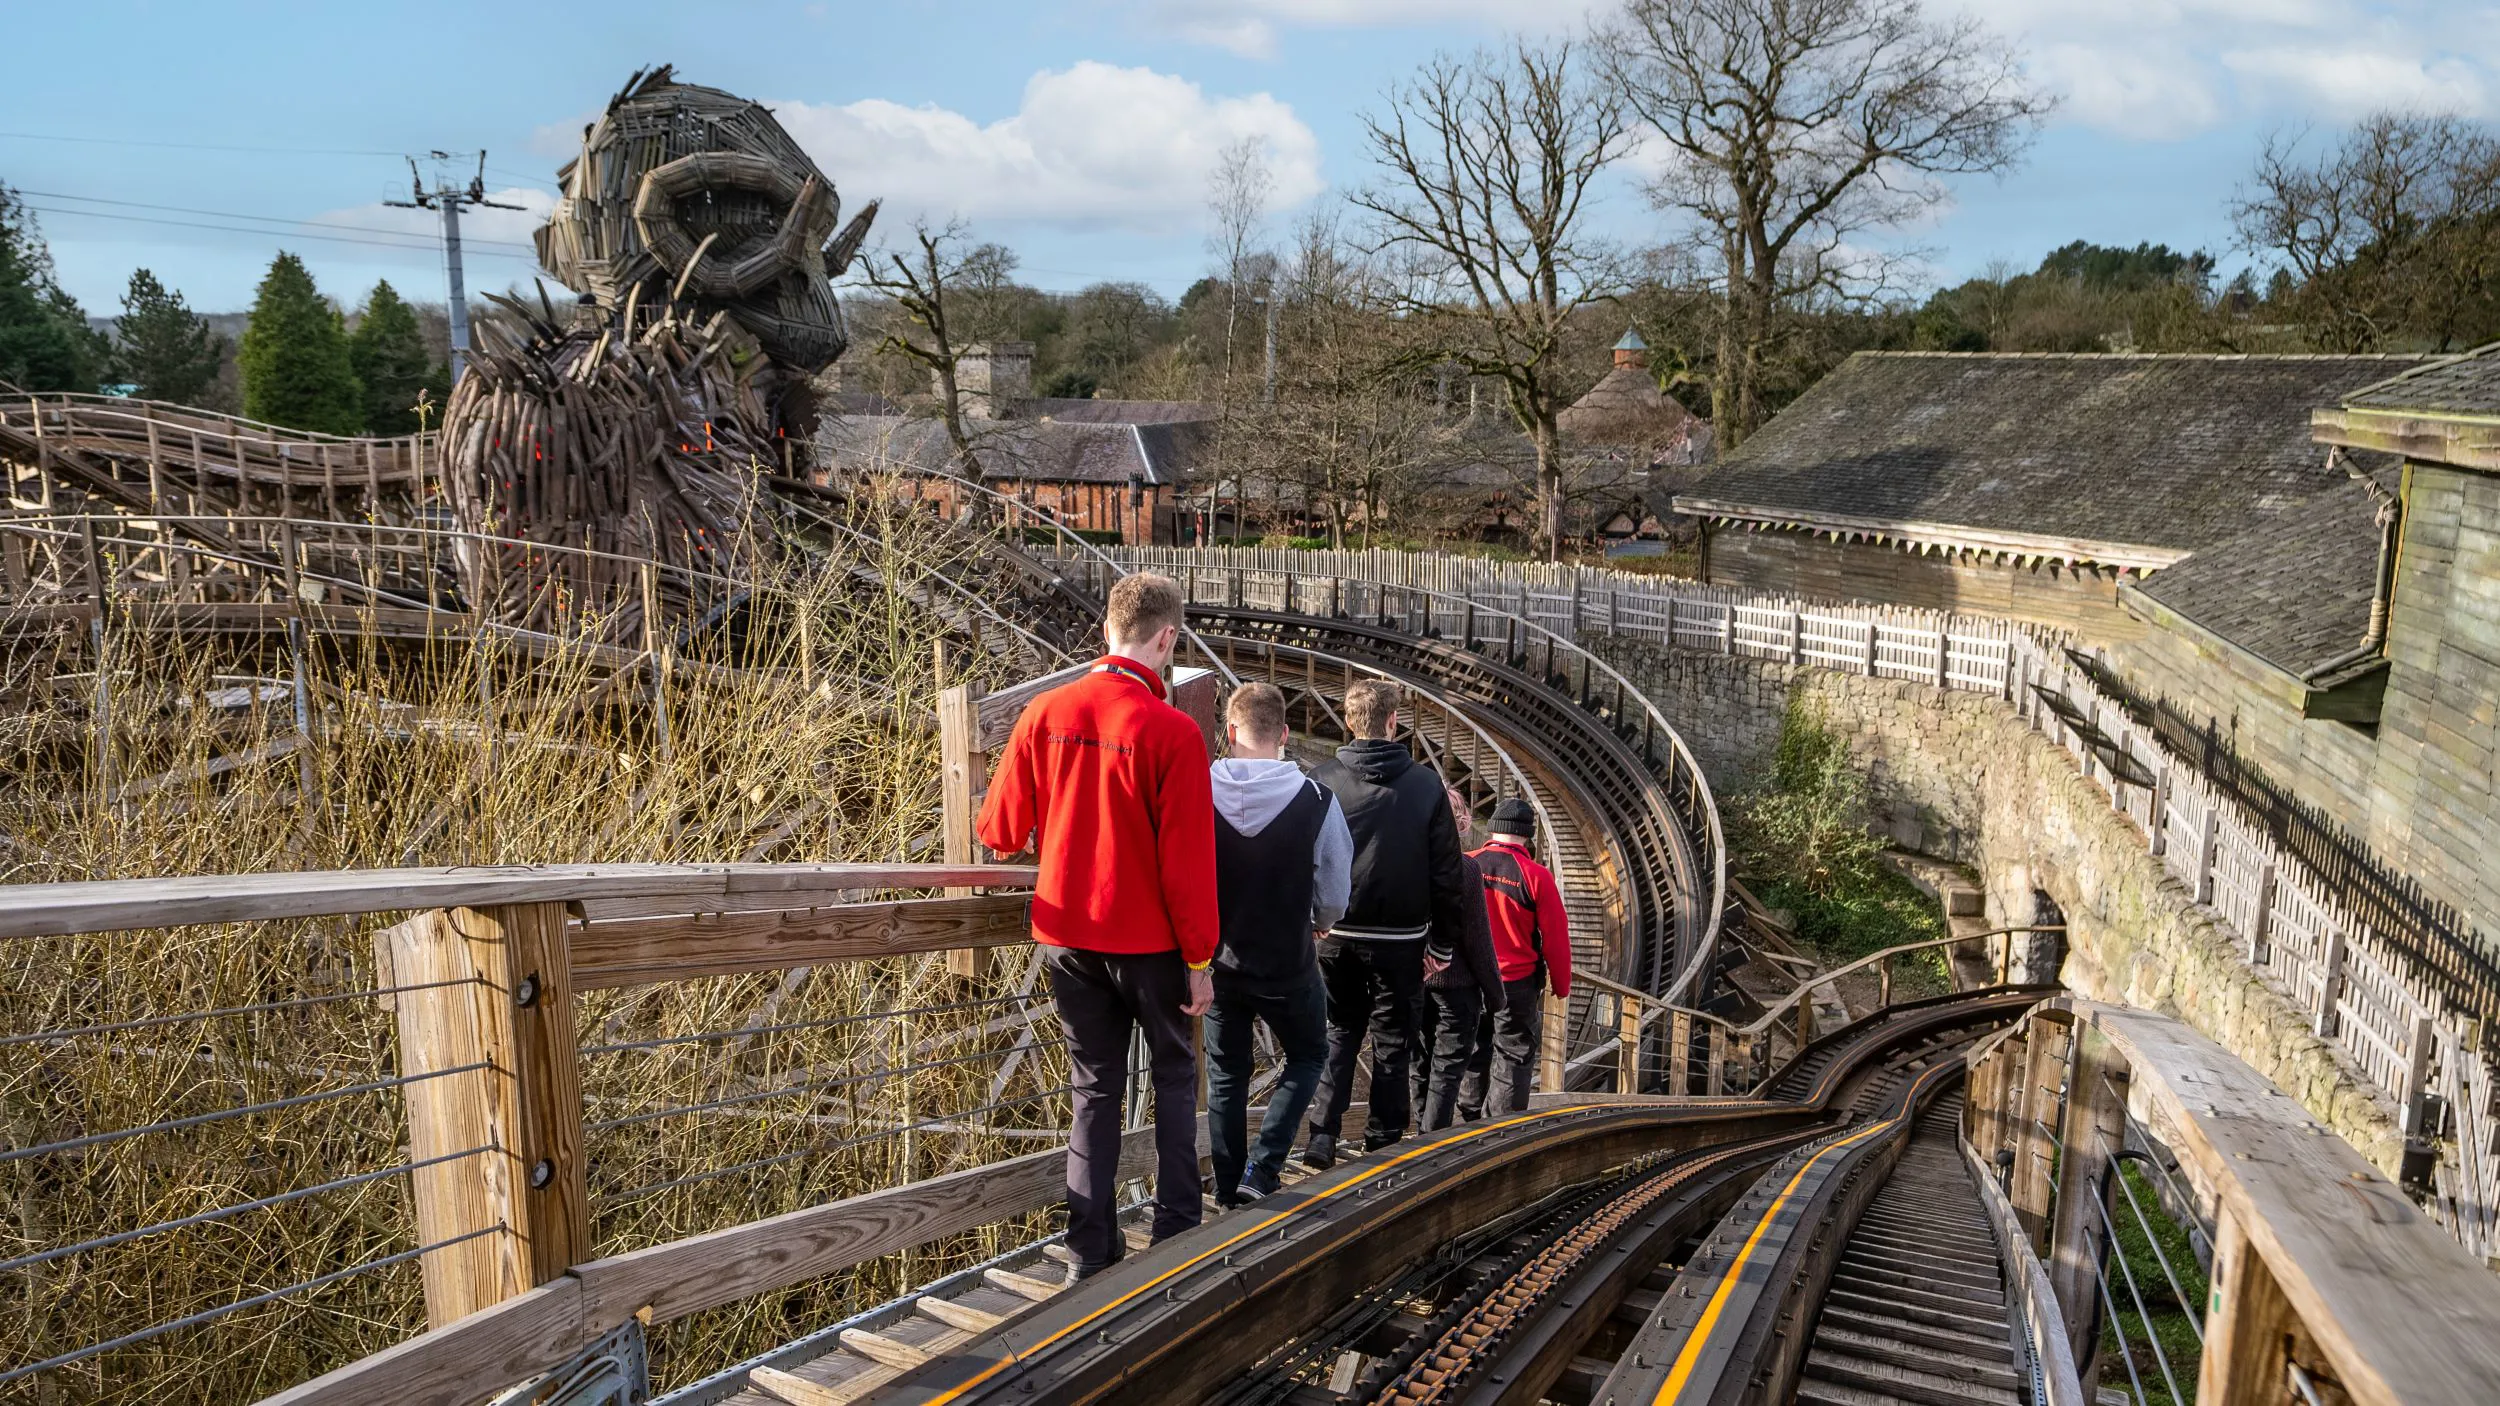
[(1531, 944), (1456, 998)]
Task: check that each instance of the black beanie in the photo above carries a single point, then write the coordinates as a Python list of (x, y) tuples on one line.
[(1514, 817)]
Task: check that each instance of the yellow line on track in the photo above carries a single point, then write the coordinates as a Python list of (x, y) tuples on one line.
[(1690, 1357), (957, 1392)]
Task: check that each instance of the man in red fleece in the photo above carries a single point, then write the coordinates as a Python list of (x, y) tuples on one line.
[(1107, 781), (1532, 944)]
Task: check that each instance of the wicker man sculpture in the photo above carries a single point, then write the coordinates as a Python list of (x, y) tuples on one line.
[(701, 242)]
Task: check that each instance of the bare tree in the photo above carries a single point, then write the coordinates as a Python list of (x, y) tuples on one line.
[(949, 295), (1791, 125), (1237, 196), (2394, 233), (1486, 169)]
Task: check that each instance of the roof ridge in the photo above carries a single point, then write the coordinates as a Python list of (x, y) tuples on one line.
[(2427, 366), (2426, 360)]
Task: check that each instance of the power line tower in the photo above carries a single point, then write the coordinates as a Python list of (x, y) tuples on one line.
[(448, 198)]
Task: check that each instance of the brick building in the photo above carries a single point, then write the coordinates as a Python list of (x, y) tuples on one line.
[(2021, 485)]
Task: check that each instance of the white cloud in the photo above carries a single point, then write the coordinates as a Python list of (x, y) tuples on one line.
[(486, 226), (1091, 144), (2171, 68), (1249, 27)]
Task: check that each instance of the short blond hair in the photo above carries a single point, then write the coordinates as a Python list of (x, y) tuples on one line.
[(1141, 606), (1258, 709), (1370, 706)]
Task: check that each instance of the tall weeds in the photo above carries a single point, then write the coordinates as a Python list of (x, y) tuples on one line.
[(808, 740)]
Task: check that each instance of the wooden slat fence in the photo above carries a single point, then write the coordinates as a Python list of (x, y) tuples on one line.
[(2406, 1018)]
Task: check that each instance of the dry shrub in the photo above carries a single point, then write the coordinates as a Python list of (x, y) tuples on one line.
[(803, 741)]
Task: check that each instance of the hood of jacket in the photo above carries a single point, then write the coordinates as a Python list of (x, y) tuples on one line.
[(1377, 760), (1250, 792)]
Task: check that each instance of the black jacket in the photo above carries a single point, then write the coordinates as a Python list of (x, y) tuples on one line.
[(1408, 880), (1474, 943)]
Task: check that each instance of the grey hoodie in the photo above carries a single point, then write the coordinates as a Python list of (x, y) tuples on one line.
[(1250, 792)]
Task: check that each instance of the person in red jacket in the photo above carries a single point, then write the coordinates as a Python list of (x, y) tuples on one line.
[(1531, 945), (1107, 782)]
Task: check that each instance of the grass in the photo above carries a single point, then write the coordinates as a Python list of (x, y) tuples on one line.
[(1802, 842), (2171, 1322), (454, 751)]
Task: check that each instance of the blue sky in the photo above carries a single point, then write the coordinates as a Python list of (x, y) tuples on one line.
[(1080, 132)]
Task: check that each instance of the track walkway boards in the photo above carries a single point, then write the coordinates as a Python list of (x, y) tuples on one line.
[(1916, 1313)]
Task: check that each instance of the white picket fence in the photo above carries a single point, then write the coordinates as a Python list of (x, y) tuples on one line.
[(2360, 993)]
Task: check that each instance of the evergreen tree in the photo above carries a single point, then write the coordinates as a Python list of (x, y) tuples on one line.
[(389, 353), (45, 343), (296, 370), (169, 351)]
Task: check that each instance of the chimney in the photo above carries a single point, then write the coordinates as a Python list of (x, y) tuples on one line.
[(995, 378), (1632, 351)]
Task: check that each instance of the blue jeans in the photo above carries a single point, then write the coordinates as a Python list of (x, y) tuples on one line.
[(1299, 1020)]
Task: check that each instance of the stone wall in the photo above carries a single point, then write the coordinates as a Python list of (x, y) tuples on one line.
[(1959, 776)]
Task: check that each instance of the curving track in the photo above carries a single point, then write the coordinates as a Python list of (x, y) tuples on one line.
[(1526, 1258)]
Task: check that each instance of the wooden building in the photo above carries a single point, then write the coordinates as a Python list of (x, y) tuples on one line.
[(2020, 485), (1114, 469)]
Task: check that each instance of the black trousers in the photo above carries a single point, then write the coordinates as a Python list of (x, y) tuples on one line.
[(1102, 997), (1518, 1028), (1445, 1043), (1371, 990)]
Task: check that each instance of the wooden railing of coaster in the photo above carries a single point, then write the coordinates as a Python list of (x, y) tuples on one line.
[(2320, 1281), (483, 977)]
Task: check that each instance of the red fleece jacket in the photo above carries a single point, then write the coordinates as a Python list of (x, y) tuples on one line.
[(1108, 782), (1525, 908)]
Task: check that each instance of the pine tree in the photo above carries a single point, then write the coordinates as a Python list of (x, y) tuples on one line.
[(169, 351), (389, 353), (296, 370), (45, 343)]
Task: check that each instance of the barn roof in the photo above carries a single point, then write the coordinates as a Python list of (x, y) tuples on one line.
[(2130, 460), (1041, 451)]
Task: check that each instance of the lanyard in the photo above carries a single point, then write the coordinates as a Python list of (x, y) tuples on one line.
[(1109, 666)]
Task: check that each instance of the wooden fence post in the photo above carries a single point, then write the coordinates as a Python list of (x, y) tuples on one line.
[(2207, 836), (499, 1010), (964, 769), (1944, 658), (1553, 1042), (1627, 1045), (2330, 983), (2159, 838), (2261, 925), (1796, 637), (1679, 1052), (1717, 1084), (1872, 630), (2095, 1126)]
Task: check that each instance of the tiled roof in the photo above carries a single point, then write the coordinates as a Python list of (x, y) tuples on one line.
[(1628, 408), (2295, 590), (2152, 456), (1047, 451), (2457, 385), (1118, 412)]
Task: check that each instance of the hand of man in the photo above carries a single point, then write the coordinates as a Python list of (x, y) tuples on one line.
[(1433, 966), (1201, 993)]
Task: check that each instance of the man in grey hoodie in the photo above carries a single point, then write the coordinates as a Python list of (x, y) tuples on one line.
[(1283, 869)]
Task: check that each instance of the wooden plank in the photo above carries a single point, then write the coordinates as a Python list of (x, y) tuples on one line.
[(707, 1271), (964, 767), (675, 949), (2398, 1308), (792, 1388), (458, 1365), (507, 1022), (120, 905), (462, 1364)]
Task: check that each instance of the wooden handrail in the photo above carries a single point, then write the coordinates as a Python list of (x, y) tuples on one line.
[(2319, 1260), (120, 905)]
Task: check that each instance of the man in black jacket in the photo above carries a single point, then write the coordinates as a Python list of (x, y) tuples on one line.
[(1408, 887), (1455, 997)]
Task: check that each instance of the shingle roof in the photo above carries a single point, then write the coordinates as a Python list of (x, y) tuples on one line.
[(1118, 412), (2146, 456), (2294, 591), (1049, 451), (2460, 385), (1628, 408)]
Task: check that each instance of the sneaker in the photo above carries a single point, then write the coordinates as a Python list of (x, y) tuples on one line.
[(1257, 1182), (1320, 1153), (1374, 1144), (1078, 1273), (1229, 1197)]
